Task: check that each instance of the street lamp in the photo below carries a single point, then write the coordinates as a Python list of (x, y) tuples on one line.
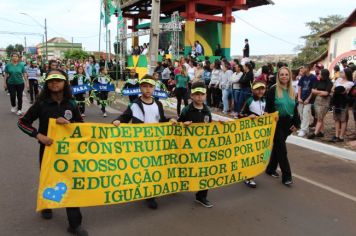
[(45, 29)]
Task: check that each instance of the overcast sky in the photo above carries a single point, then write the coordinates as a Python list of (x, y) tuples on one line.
[(284, 23)]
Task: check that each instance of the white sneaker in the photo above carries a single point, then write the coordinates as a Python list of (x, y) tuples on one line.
[(13, 109), (19, 113), (83, 115), (301, 134), (104, 114)]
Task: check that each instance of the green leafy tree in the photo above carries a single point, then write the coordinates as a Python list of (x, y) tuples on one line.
[(314, 45), (19, 48), (9, 50), (76, 54)]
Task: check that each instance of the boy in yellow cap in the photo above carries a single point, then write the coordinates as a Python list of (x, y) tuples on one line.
[(197, 112), (253, 107), (145, 109)]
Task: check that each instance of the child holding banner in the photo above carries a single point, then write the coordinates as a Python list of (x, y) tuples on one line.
[(281, 98), (80, 79), (197, 112), (253, 107), (55, 101), (145, 109)]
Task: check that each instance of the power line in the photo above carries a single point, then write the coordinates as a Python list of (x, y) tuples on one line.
[(20, 33), (16, 22), (66, 35), (269, 34)]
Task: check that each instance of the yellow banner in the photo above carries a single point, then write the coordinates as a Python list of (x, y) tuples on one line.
[(92, 164)]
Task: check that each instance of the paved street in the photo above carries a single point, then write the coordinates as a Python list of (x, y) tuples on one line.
[(321, 202)]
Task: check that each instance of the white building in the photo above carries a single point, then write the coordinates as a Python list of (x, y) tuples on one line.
[(342, 43)]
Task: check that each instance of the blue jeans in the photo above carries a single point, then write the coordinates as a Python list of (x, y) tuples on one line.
[(243, 95), (236, 94), (226, 95)]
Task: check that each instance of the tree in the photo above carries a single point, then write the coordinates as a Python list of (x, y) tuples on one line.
[(10, 49), (19, 48), (76, 54), (314, 45)]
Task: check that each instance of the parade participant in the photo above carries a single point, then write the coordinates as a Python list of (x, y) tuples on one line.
[(145, 110), (197, 112), (281, 98), (103, 79), (44, 69), (64, 68), (181, 89), (71, 72), (53, 64), (33, 74), (80, 79), (159, 85), (341, 89), (305, 99), (132, 83), (321, 92), (92, 68), (15, 80), (54, 101), (254, 106)]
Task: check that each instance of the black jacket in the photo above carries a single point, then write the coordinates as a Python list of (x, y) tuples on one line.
[(246, 80), (190, 113), (127, 116), (43, 110)]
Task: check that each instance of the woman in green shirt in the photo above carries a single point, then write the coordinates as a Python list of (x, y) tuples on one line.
[(181, 90), (15, 78), (281, 98)]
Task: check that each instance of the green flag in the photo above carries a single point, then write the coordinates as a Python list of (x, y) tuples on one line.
[(120, 19)]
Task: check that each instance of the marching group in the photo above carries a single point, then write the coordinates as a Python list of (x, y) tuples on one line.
[(233, 86)]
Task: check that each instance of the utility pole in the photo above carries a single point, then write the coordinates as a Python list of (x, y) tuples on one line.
[(109, 54), (46, 39), (25, 46), (154, 35), (72, 43)]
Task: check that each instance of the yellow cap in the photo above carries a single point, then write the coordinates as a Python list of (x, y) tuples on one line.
[(199, 90), (148, 81), (55, 76), (257, 85)]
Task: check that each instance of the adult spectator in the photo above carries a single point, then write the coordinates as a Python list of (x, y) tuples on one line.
[(321, 92), (305, 99), (246, 49), (245, 85)]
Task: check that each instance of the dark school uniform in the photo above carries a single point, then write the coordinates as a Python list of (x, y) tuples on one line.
[(190, 113), (43, 111), (80, 97)]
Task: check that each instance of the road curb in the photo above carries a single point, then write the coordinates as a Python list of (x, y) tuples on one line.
[(323, 148)]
